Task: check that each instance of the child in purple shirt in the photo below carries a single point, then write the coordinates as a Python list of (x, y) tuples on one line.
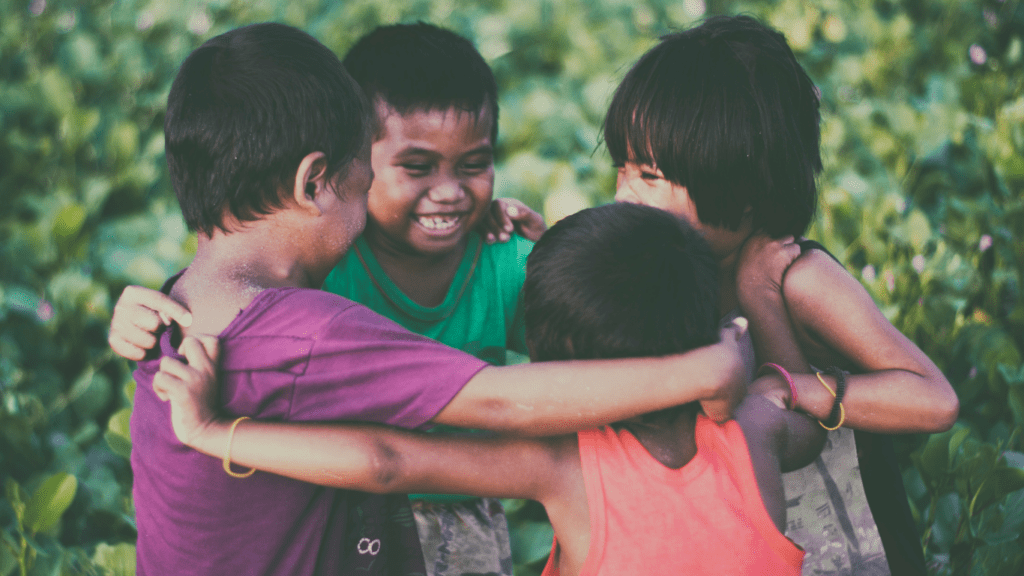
[(267, 142)]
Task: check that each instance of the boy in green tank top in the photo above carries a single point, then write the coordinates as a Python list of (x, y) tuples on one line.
[(419, 261)]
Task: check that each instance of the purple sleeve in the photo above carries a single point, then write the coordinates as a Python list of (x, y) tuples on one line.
[(363, 366)]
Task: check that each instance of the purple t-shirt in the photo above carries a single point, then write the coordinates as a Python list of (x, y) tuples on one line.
[(301, 355)]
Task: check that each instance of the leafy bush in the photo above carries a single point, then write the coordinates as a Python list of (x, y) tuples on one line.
[(923, 137)]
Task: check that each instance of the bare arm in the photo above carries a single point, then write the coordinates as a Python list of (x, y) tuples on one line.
[(762, 269), (897, 387), (366, 457), (549, 398), (381, 459), (779, 440)]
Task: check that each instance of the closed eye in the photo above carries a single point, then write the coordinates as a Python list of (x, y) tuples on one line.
[(416, 168)]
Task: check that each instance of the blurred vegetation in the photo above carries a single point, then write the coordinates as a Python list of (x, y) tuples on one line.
[(923, 137)]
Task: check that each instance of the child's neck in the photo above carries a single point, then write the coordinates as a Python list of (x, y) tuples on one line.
[(425, 278), (229, 271), (668, 435), (728, 300)]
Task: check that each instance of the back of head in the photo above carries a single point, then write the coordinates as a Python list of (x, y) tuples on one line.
[(243, 111), (618, 281), (420, 67), (725, 110)]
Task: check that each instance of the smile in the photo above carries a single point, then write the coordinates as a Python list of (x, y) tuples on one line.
[(439, 222)]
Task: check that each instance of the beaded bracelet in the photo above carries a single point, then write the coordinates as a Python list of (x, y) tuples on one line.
[(227, 453), (785, 374), (838, 411)]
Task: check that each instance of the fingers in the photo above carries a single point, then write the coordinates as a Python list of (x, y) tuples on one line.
[(197, 354), (164, 385), (735, 329), (161, 304), (129, 350), (212, 346), (174, 367), (496, 225), (130, 314)]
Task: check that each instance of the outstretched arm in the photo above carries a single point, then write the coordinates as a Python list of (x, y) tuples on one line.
[(366, 457), (897, 388), (549, 398)]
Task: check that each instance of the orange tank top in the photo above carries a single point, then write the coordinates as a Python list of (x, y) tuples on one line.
[(704, 518)]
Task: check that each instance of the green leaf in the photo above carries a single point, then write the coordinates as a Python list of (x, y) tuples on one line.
[(1012, 378), (117, 560), (1000, 483), (68, 221), (16, 497), (49, 502), (118, 436)]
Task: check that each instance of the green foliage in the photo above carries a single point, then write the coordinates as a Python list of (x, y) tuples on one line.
[(923, 140), (35, 515)]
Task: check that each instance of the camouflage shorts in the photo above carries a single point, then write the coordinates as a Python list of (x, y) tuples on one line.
[(827, 514), (468, 538)]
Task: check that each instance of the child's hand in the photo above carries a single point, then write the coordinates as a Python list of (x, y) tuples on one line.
[(190, 388), (138, 314), (773, 387), (763, 263), (507, 215), (734, 337)]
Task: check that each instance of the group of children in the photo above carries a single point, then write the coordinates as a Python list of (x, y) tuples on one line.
[(280, 158)]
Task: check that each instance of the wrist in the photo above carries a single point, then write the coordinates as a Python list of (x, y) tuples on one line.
[(813, 399), (212, 438)]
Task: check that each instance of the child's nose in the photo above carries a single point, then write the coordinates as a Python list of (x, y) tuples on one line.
[(624, 194), (447, 190)]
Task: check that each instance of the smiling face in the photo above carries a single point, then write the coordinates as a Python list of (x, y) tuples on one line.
[(433, 179), (644, 184)]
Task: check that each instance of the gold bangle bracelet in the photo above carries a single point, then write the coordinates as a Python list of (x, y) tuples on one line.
[(842, 410), (227, 453)]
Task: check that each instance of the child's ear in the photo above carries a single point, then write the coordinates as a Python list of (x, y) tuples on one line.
[(310, 181)]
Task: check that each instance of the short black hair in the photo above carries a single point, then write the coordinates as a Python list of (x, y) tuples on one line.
[(243, 111), (421, 67), (618, 281), (725, 110)]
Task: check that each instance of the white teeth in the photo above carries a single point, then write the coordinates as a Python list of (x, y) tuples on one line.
[(438, 222)]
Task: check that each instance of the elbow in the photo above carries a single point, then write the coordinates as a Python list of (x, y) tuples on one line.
[(943, 409), (385, 469), (947, 411), (505, 417)]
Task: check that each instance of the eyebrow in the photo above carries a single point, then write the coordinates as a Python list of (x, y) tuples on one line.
[(411, 150)]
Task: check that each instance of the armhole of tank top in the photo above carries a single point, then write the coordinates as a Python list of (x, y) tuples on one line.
[(592, 481)]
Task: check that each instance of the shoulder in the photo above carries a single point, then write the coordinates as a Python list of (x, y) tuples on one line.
[(310, 314), (506, 265), (513, 252), (308, 306), (817, 277)]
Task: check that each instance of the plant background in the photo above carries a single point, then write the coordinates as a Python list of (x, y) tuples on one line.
[(923, 139)]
